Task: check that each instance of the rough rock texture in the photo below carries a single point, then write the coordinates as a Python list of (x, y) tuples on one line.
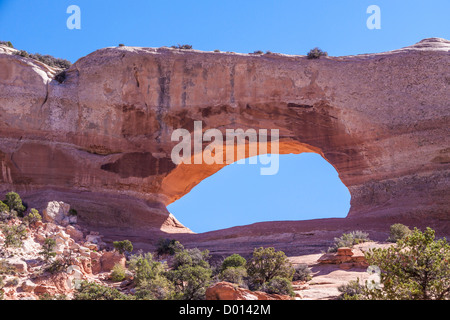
[(228, 291), (101, 140)]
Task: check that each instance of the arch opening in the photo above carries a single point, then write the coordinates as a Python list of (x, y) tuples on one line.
[(306, 187)]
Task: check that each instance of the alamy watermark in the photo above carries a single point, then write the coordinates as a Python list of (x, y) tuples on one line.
[(216, 153), (374, 20), (74, 20)]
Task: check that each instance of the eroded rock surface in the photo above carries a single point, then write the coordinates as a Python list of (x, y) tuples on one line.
[(101, 139)]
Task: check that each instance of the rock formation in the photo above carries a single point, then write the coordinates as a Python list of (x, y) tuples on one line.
[(101, 139)]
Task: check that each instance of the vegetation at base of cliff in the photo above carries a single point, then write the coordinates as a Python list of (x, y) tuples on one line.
[(415, 268), (398, 231), (168, 246), (124, 246), (349, 240)]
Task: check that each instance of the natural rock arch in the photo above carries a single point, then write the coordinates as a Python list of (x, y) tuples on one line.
[(101, 139)]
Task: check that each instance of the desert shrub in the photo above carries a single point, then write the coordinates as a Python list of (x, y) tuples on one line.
[(6, 268), (233, 275), (266, 264), (415, 268), (349, 240), (22, 53), (93, 291), (48, 296), (191, 257), (3, 207), (47, 59), (150, 278), (14, 235), (5, 213), (353, 290), (61, 263), (258, 52), (121, 45), (124, 247), (47, 249), (118, 273), (316, 53), (14, 202), (191, 274), (145, 268), (7, 43), (168, 246), (159, 288), (32, 217), (278, 285), (216, 50), (182, 46), (302, 273), (235, 260), (398, 231), (190, 281)]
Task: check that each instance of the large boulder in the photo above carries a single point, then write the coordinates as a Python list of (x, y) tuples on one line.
[(58, 212), (110, 258)]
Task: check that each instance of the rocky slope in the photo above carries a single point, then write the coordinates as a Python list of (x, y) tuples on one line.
[(101, 139)]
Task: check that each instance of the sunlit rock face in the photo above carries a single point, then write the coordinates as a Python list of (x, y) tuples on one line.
[(101, 139)]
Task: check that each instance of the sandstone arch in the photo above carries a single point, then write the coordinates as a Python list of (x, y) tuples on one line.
[(101, 139)]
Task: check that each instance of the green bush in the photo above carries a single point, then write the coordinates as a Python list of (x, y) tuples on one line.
[(279, 285), (316, 53), (150, 278), (182, 46), (118, 273), (302, 273), (47, 59), (7, 43), (349, 240), (168, 246), (145, 268), (398, 231), (93, 291), (235, 260), (6, 268), (124, 247), (415, 268), (3, 207), (32, 217), (191, 274), (14, 202), (47, 249), (233, 275), (14, 235), (158, 288), (48, 296), (351, 291), (192, 257), (190, 281), (266, 264)]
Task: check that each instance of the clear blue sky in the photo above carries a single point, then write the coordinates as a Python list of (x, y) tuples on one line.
[(306, 186)]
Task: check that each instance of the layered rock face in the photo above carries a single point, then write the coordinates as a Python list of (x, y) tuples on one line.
[(101, 139)]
